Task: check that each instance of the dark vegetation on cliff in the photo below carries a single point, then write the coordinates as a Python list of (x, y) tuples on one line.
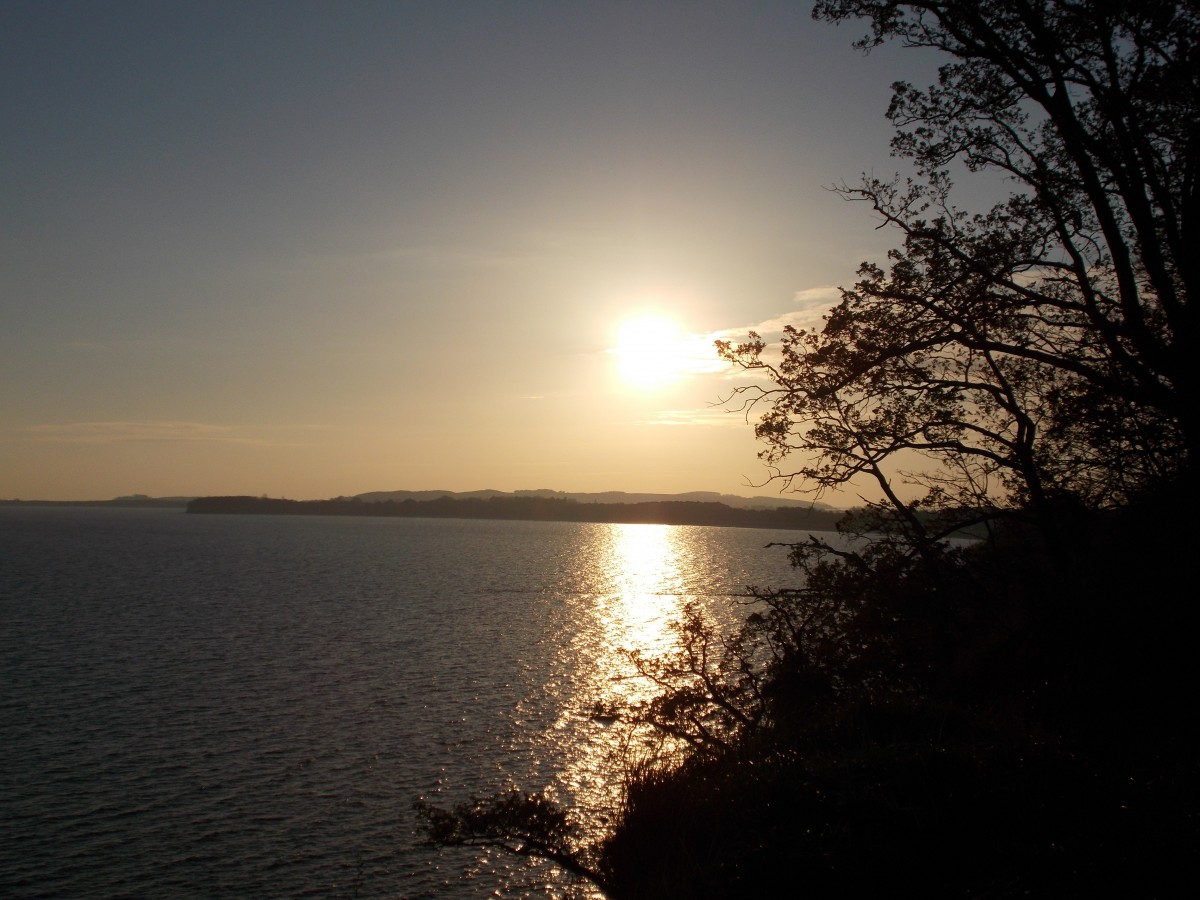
[(1013, 718), (1006, 721)]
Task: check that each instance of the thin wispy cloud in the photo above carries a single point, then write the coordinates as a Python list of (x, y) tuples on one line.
[(811, 306), (699, 355), (713, 416), (695, 355), (125, 344), (124, 432), (450, 257), (522, 249)]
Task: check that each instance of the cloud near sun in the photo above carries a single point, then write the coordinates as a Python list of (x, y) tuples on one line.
[(653, 351), (813, 304)]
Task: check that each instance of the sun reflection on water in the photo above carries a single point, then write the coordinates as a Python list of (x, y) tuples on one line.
[(645, 560), (616, 589), (646, 580)]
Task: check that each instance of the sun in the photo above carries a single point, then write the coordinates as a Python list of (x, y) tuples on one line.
[(651, 352)]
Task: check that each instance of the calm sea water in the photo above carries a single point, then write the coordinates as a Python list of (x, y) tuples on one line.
[(248, 706)]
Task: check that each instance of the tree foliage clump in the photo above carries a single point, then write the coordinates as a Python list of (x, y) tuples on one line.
[(1042, 349)]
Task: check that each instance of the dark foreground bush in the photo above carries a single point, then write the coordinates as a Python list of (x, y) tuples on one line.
[(1021, 723), (862, 813)]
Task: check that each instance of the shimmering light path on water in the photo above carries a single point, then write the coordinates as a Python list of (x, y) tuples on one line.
[(248, 706)]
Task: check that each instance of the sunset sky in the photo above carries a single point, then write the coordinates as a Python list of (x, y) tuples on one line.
[(315, 249)]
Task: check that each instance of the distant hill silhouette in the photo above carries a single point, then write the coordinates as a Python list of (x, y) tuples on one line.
[(137, 501), (731, 500), (602, 498), (494, 505)]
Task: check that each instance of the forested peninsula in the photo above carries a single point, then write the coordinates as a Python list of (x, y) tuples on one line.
[(537, 509)]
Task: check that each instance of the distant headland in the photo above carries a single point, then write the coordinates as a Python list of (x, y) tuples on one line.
[(133, 501), (544, 505)]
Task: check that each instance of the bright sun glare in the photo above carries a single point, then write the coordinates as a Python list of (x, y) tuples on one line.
[(651, 352)]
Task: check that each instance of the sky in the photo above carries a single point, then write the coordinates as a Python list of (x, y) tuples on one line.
[(312, 249)]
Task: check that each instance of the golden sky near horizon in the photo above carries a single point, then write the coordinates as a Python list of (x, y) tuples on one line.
[(315, 249)]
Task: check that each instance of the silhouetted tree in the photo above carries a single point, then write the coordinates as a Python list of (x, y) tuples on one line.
[(1004, 718), (1044, 348), (1037, 357)]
